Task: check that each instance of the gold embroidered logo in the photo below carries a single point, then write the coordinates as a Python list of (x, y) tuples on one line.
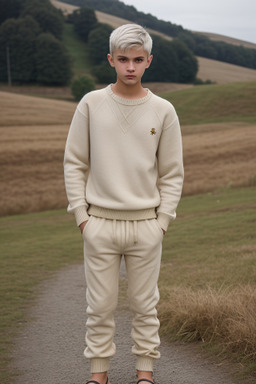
[(153, 131)]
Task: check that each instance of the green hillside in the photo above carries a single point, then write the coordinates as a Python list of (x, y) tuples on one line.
[(215, 103), (78, 51)]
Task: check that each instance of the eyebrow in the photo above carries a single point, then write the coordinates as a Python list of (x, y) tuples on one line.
[(137, 57)]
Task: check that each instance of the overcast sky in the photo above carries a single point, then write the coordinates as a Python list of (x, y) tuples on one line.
[(233, 18)]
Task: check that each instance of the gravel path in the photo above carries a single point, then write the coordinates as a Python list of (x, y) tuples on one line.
[(50, 349)]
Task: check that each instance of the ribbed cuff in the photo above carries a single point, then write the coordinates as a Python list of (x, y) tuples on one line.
[(145, 363), (99, 365), (164, 220), (81, 214)]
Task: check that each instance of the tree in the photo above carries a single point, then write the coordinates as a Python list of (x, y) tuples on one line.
[(164, 66), (19, 37), (98, 41), (188, 39), (53, 63), (188, 65), (31, 55), (48, 17), (10, 9), (84, 21)]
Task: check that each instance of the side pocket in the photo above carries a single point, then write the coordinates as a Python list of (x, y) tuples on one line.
[(86, 226), (158, 226)]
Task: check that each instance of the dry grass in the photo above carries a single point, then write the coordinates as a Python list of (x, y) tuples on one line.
[(217, 155), (64, 7), (221, 73), (226, 317), (51, 92), (19, 110), (33, 134)]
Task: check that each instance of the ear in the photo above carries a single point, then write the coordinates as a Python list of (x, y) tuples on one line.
[(149, 60), (111, 60)]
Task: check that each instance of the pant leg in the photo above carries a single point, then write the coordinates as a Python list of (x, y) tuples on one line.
[(143, 265), (102, 265)]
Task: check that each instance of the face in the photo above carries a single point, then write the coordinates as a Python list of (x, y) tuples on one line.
[(130, 65)]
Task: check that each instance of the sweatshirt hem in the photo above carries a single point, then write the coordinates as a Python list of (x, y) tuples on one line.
[(112, 214)]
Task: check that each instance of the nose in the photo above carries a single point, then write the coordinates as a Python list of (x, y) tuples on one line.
[(130, 66)]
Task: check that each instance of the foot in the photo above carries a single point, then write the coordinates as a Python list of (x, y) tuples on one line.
[(100, 378), (145, 377)]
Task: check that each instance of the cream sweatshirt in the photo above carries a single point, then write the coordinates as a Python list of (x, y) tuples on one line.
[(123, 158)]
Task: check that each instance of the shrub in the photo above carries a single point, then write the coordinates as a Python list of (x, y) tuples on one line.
[(104, 73), (81, 86)]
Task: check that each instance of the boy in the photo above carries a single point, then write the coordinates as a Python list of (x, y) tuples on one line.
[(123, 174)]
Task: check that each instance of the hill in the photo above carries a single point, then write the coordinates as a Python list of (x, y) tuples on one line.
[(217, 153), (227, 39), (213, 70)]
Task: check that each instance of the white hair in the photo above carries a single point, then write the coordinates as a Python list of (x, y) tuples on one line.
[(130, 36)]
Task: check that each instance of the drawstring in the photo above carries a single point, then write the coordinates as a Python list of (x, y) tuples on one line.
[(125, 226), (127, 232), (135, 232), (114, 232)]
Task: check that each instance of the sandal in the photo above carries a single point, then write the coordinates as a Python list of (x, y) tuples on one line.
[(148, 381), (95, 382)]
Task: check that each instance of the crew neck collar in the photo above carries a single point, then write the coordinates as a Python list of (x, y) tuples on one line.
[(122, 100)]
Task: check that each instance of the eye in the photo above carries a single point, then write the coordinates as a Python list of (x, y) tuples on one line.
[(139, 60), (122, 59)]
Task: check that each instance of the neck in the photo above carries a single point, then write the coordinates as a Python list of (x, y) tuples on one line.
[(135, 91)]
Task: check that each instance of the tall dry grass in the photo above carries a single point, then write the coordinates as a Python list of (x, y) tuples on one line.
[(223, 316)]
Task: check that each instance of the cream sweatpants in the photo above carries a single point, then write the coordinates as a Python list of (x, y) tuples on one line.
[(140, 242)]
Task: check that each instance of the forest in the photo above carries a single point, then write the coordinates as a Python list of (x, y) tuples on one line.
[(31, 46), (33, 51)]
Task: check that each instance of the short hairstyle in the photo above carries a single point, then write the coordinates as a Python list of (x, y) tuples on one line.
[(130, 36)]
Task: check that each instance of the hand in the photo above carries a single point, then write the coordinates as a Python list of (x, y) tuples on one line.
[(82, 225)]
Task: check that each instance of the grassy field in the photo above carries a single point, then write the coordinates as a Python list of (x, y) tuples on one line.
[(208, 273), (222, 103)]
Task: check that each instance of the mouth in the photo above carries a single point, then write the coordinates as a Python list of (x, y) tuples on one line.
[(130, 76)]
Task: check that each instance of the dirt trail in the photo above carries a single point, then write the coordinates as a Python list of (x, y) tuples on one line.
[(50, 349)]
